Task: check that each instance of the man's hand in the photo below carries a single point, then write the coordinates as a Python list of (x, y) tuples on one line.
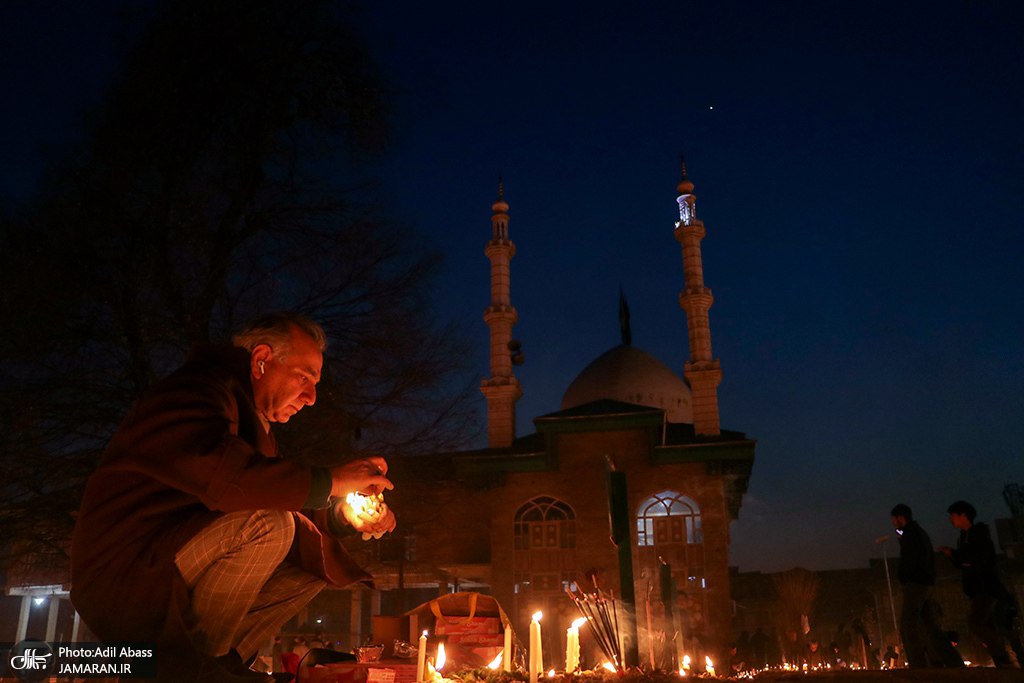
[(365, 476)]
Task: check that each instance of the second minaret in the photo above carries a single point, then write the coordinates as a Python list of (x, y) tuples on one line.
[(501, 389)]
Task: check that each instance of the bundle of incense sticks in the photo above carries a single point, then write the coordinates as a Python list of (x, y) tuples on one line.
[(602, 620)]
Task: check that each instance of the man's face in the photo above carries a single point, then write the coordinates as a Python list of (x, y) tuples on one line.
[(959, 521), (284, 386), (899, 521)]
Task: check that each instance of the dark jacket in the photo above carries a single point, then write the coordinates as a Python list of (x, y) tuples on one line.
[(917, 557), (191, 449), (975, 555)]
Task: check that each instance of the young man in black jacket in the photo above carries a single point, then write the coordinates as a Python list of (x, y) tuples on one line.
[(923, 639), (975, 556)]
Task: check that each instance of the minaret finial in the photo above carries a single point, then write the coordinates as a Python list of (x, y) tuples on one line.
[(500, 209), (685, 186)]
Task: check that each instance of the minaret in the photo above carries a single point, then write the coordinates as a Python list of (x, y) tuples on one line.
[(703, 372), (502, 388)]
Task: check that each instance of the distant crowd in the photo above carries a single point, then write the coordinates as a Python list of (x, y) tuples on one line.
[(993, 616), (849, 647)]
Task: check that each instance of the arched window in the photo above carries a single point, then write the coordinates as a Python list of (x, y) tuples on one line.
[(545, 523), (668, 518)]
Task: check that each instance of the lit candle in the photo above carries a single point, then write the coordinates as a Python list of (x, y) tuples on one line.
[(421, 657), (367, 507), (572, 645), (709, 667), (506, 659), (536, 656), (686, 662)]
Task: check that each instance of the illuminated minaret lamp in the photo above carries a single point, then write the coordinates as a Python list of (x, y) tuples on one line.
[(703, 372), (501, 389)]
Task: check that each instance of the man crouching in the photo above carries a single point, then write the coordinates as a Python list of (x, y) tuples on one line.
[(190, 533)]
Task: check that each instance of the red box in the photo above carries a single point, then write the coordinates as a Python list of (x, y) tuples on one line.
[(460, 625), (472, 641)]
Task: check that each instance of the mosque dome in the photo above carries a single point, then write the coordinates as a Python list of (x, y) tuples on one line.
[(630, 375)]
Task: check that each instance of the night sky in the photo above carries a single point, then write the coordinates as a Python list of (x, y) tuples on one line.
[(857, 167)]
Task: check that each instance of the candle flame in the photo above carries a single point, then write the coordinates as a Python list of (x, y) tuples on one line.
[(682, 671), (361, 504), (440, 657), (609, 666), (579, 622), (537, 616), (424, 634), (496, 662), (686, 662), (551, 674), (708, 662)]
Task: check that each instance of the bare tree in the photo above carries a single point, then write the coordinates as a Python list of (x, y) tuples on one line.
[(223, 178), (797, 590)]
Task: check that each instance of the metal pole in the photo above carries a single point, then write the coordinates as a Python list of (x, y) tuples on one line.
[(888, 582), (618, 514), (667, 586)]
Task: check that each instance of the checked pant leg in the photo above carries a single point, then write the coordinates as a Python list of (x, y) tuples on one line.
[(226, 566), (286, 592)]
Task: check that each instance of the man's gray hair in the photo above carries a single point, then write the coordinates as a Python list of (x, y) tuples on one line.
[(275, 330)]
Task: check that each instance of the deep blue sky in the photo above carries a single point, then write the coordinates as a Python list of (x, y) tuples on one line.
[(858, 169)]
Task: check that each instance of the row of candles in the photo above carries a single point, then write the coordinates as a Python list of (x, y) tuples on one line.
[(425, 671), (428, 672)]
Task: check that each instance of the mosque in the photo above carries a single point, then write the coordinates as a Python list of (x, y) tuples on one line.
[(528, 517)]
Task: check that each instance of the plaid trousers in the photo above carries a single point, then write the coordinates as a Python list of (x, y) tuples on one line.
[(241, 589)]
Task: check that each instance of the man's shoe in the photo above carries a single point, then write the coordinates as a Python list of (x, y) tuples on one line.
[(321, 655)]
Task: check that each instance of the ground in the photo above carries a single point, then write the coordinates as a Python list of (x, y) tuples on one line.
[(973, 675)]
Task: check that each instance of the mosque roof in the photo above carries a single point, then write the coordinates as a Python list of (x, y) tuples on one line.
[(630, 375)]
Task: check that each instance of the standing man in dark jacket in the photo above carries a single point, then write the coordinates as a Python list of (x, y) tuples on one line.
[(191, 533), (975, 556), (922, 636)]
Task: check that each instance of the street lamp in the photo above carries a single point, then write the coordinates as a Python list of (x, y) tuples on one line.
[(881, 540)]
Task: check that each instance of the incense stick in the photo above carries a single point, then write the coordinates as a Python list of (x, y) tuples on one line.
[(602, 621)]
